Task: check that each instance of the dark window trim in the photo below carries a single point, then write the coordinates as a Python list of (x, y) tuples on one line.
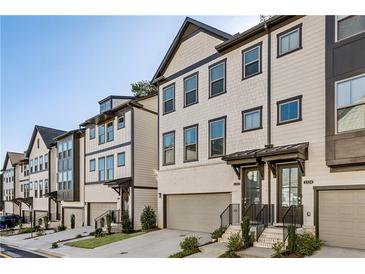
[(197, 143), (243, 60), (197, 88), (248, 111), (120, 153), (163, 100), (278, 103), (106, 167), (225, 136), (225, 77), (99, 126), (163, 155), (299, 26), (118, 117), (91, 138), (107, 126), (103, 169)]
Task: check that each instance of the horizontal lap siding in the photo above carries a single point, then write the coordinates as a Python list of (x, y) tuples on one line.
[(142, 198)]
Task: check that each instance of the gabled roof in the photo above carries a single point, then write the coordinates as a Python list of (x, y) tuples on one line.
[(189, 25), (48, 135), (14, 157)]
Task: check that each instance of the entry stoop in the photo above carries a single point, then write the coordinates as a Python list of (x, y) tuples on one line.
[(270, 236), (233, 229)]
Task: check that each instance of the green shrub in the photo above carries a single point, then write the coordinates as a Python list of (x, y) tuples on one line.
[(20, 224), (235, 242), (26, 230), (307, 243), (54, 245), (61, 227), (126, 222), (292, 245), (36, 228), (218, 233), (184, 253), (246, 234), (102, 222), (72, 221), (278, 248), (78, 236), (148, 218), (109, 224), (229, 254), (98, 232), (40, 231), (190, 243), (40, 221), (45, 221)]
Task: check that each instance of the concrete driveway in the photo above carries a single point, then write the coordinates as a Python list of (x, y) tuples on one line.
[(338, 252), (156, 244)]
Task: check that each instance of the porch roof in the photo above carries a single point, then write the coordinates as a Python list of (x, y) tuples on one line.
[(126, 181)]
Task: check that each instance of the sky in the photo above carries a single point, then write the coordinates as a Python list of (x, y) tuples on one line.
[(54, 69)]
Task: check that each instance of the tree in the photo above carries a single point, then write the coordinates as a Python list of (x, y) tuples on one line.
[(143, 88)]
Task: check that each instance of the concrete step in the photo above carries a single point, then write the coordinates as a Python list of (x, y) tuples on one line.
[(261, 244)]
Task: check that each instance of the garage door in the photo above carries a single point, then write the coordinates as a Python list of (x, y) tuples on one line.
[(79, 219), (96, 209), (341, 218), (196, 212)]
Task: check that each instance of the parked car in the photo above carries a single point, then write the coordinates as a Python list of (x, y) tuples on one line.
[(9, 221)]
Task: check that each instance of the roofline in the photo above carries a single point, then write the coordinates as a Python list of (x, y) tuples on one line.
[(74, 131), (8, 158), (116, 97)]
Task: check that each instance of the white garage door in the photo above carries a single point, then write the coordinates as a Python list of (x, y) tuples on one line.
[(79, 216), (196, 212), (342, 218), (97, 209)]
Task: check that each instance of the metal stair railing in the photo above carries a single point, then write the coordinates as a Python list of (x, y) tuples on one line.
[(231, 215), (292, 216)]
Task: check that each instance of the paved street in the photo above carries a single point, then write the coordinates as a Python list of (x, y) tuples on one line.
[(11, 252)]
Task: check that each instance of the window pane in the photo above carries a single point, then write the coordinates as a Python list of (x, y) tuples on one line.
[(190, 97), (190, 83), (343, 93), (168, 140), (351, 118), (191, 152), (217, 72), (216, 147), (217, 87), (252, 68), (169, 156), (289, 111), (168, 93), (294, 196), (121, 122), (284, 45), (121, 159), (351, 26), (285, 177), (251, 55), (190, 136), (169, 106), (101, 134), (294, 40), (110, 130), (289, 42), (358, 90), (294, 177), (252, 120), (217, 129), (285, 197)]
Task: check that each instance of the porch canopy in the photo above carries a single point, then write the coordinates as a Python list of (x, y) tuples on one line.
[(28, 201), (271, 155), (118, 183), (17, 201), (52, 195)]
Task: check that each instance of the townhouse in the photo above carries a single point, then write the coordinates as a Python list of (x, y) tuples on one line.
[(269, 124), (120, 159)]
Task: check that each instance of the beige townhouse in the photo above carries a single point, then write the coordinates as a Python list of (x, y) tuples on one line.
[(120, 159), (41, 154), (269, 124)]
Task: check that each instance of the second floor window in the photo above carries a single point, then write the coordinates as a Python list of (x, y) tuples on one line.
[(350, 95), (289, 110), (349, 25), (110, 167), (40, 189), (121, 159), (35, 164), (92, 165), (40, 162), (217, 137), (217, 79), (169, 99), (92, 133), (251, 61), (191, 143), (46, 187), (101, 168), (36, 189), (191, 90), (121, 121), (168, 140), (45, 161), (289, 40), (110, 132), (251, 119), (101, 134)]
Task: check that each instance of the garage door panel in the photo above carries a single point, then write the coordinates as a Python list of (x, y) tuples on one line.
[(341, 218), (196, 212)]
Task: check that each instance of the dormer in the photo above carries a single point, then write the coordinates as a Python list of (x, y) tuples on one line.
[(113, 101)]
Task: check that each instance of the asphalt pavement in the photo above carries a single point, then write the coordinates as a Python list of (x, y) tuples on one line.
[(11, 252)]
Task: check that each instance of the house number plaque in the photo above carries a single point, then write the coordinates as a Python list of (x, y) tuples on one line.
[(308, 182)]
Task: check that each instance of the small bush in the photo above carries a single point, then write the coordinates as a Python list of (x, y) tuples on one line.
[(61, 227), (20, 224), (26, 230), (235, 242), (72, 221), (126, 222), (307, 243), (78, 236), (40, 222), (278, 248), (148, 218), (292, 245), (98, 232), (229, 254), (189, 243), (184, 253), (109, 224), (54, 245), (102, 222), (218, 233), (36, 228), (246, 235), (40, 231), (45, 221)]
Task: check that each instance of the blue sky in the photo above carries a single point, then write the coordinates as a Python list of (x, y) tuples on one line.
[(54, 69)]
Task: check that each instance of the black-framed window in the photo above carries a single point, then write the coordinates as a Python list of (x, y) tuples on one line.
[(289, 41), (92, 133), (191, 143), (101, 134), (121, 159), (110, 167), (36, 164), (110, 132), (349, 25), (251, 61), (168, 146), (289, 110), (121, 121), (217, 78), (191, 89), (350, 104), (252, 119), (101, 169), (169, 99), (92, 165), (107, 105), (217, 137), (40, 162)]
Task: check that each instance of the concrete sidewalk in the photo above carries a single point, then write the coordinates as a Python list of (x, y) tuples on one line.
[(338, 252)]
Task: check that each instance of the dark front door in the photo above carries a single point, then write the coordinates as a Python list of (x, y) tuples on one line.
[(251, 190), (289, 189)]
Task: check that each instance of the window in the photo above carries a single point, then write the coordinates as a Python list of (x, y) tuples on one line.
[(289, 110), (92, 133), (46, 161), (92, 165), (252, 119), (107, 105), (110, 167), (289, 40), (31, 185), (69, 146), (349, 25), (191, 90), (31, 166), (290, 183), (251, 59), (121, 159), (37, 143), (101, 134), (40, 189), (40, 162), (101, 167), (121, 121), (59, 150), (60, 181), (191, 143), (35, 164), (110, 132), (168, 148), (21, 188), (217, 78), (217, 136), (64, 149), (46, 187), (350, 104), (36, 189), (169, 99)]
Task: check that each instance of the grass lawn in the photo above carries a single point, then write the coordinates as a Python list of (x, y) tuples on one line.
[(100, 241)]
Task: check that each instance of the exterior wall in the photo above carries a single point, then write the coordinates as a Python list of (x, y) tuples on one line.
[(8, 189), (142, 198), (9, 208)]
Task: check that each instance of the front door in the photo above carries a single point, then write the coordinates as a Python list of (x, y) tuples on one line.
[(251, 190), (289, 189)]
